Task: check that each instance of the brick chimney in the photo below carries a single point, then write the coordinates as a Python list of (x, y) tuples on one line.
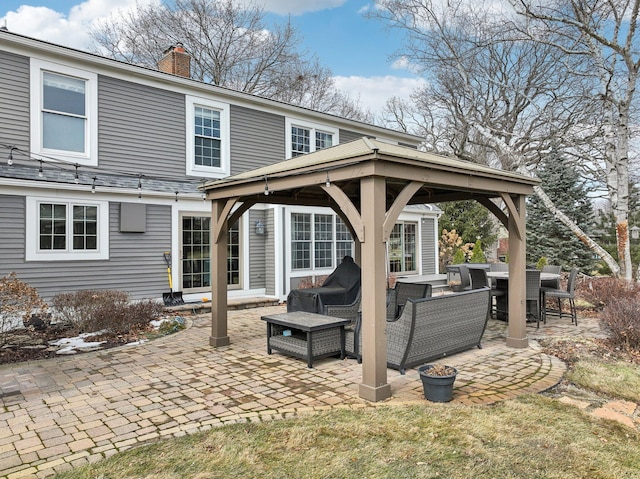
[(176, 61)]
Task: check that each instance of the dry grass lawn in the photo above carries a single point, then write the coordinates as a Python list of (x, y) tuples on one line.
[(531, 437)]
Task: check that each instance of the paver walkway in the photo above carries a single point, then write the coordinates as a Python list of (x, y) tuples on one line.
[(66, 412)]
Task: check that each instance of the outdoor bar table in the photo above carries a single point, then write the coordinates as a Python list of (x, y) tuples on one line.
[(502, 282)]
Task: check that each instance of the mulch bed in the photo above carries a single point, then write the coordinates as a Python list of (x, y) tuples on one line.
[(27, 345)]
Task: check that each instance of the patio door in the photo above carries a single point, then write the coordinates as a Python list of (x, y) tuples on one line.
[(196, 254)]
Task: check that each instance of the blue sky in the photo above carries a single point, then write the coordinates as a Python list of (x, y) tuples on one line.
[(356, 49)]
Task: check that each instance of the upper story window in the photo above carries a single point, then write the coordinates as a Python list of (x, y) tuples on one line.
[(58, 229), (208, 131), (64, 109), (304, 137)]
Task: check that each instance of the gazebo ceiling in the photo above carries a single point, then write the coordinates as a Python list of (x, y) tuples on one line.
[(301, 180)]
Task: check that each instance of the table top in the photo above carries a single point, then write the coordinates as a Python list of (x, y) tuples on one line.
[(305, 321), (505, 275)]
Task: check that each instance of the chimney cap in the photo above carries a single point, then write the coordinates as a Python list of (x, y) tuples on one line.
[(178, 47)]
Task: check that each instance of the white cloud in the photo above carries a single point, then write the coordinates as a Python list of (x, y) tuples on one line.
[(373, 92), (64, 28), (298, 7)]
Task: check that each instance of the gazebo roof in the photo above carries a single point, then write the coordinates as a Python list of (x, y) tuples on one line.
[(299, 180)]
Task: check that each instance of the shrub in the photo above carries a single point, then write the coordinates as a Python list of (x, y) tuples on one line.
[(458, 257), (621, 319), (109, 310), (600, 292), (477, 255), (542, 262), (18, 301)]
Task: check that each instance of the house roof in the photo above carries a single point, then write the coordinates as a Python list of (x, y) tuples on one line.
[(19, 43)]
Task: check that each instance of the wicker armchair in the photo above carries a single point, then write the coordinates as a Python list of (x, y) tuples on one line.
[(398, 296), (351, 332), (431, 328)]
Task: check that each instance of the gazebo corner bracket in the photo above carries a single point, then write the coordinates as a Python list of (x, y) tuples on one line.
[(220, 221), (398, 205), (515, 213), (347, 207)]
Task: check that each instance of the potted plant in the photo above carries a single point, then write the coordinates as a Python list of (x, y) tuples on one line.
[(437, 381)]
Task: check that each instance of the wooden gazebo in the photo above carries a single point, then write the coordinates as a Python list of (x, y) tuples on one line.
[(368, 183)]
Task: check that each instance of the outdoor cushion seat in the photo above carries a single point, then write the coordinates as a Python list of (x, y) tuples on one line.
[(435, 327)]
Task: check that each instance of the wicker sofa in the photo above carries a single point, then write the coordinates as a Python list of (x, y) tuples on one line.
[(432, 328)]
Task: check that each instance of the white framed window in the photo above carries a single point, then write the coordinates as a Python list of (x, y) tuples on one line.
[(66, 230), (304, 137), (64, 112), (318, 241), (208, 133), (402, 248)]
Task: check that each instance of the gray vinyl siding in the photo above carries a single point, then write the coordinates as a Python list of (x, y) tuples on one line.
[(256, 251), (346, 136), (428, 245), (136, 264), (141, 129), (14, 98), (270, 253), (257, 139), (12, 235)]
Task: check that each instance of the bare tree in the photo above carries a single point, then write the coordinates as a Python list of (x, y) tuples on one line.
[(500, 97), (603, 34), (230, 46)]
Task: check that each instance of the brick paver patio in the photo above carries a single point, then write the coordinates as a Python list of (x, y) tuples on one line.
[(61, 413)]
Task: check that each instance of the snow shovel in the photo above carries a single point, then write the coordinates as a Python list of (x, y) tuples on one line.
[(172, 298)]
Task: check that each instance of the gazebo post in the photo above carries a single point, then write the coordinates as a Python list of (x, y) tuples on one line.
[(517, 327), (374, 386), (219, 335)]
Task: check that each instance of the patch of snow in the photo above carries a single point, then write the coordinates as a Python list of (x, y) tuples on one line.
[(78, 343)]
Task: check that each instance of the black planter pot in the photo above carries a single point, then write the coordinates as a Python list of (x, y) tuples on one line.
[(437, 388)]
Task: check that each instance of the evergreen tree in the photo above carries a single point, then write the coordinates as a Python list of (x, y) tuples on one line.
[(470, 219), (546, 236)]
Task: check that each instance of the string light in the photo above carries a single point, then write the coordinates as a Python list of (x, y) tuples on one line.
[(66, 166), (204, 193), (327, 183), (266, 186), (93, 185), (10, 159), (176, 196)]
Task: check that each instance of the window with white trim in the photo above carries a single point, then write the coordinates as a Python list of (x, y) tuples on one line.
[(66, 229), (304, 137), (402, 248), (208, 131), (64, 111), (318, 241)]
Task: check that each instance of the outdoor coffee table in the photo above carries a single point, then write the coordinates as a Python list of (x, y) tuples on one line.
[(305, 335)]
